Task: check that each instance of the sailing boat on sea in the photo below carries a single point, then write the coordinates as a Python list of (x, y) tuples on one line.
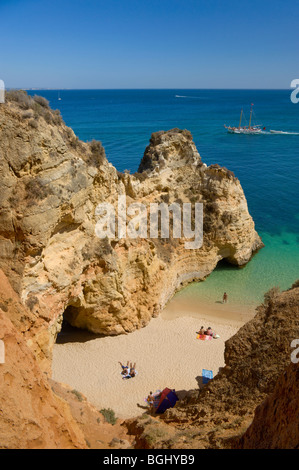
[(59, 99), (256, 129)]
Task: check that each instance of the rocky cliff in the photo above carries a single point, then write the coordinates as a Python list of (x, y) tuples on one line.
[(258, 385), (35, 411), (51, 186), (54, 267), (31, 415), (276, 420)]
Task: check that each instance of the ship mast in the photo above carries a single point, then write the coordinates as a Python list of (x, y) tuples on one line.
[(249, 127), (240, 118)]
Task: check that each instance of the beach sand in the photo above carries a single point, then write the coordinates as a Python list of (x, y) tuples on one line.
[(167, 354)]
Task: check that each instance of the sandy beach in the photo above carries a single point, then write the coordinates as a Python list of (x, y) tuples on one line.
[(167, 354)]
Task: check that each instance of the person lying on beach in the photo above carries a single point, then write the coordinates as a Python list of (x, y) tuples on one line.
[(212, 333), (125, 369), (132, 369), (209, 332)]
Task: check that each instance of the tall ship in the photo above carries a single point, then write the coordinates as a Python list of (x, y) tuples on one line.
[(255, 129)]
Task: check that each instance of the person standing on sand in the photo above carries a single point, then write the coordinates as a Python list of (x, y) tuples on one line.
[(224, 298), (150, 400)]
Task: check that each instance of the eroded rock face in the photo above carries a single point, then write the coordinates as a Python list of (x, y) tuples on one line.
[(51, 186), (35, 411), (258, 373), (31, 417), (276, 420)]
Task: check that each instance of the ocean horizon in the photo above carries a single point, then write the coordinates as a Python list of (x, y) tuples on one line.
[(266, 165), (144, 89)]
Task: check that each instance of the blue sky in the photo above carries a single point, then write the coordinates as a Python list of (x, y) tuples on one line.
[(149, 44)]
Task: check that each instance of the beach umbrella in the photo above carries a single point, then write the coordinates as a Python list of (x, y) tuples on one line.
[(167, 400)]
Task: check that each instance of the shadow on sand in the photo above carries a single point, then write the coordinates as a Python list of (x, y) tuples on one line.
[(199, 381), (143, 407), (71, 334)]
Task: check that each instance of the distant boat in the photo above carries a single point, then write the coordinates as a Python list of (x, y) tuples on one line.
[(59, 99), (243, 129)]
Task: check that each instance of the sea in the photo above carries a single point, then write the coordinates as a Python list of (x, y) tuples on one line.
[(267, 165)]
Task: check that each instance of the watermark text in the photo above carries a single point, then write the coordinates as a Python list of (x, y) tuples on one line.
[(139, 221), (294, 97), (2, 92)]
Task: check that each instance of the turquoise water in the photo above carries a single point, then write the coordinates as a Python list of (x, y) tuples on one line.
[(275, 265), (267, 165)]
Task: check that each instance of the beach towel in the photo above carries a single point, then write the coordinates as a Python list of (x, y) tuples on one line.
[(206, 375), (204, 337), (128, 376)]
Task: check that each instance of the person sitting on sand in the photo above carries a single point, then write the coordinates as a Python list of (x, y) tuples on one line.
[(224, 300), (202, 330)]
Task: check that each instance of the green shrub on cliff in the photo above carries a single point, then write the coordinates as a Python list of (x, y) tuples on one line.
[(97, 156), (38, 104), (78, 395), (141, 176), (154, 434), (19, 96), (42, 101), (109, 415)]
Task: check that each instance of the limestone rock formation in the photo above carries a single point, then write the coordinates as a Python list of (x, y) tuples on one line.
[(257, 368), (31, 415), (54, 267), (51, 186), (98, 433), (35, 411)]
